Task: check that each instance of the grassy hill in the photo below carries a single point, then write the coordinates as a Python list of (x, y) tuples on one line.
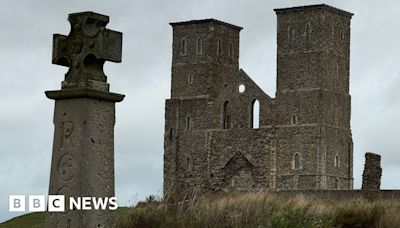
[(249, 210), (32, 220)]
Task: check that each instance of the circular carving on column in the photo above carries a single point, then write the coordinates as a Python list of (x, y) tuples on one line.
[(65, 167), (68, 128), (66, 192)]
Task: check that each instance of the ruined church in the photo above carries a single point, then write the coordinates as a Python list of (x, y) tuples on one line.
[(224, 133)]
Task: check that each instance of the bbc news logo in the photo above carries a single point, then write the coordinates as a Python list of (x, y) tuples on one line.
[(56, 203)]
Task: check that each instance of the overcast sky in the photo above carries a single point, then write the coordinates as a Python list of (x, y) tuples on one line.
[(26, 115)]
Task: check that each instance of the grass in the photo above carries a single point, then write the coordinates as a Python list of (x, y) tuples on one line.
[(32, 220), (249, 210)]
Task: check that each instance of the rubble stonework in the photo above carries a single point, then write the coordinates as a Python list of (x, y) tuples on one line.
[(372, 172), (84, 117), (303, 140)]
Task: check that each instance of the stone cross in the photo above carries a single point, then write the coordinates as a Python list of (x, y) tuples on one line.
[(86, 48), (83, 149)]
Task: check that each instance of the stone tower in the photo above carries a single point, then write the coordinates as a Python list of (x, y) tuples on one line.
[(302, 140), (313, 101), (83, 150), (202, 50)]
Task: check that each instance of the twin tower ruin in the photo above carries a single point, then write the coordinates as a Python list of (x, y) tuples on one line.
[(216, 140)]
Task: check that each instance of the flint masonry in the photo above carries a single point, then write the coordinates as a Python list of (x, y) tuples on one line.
[(218, 140)]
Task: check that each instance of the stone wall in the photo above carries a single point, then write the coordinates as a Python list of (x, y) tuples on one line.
[(372, 172)]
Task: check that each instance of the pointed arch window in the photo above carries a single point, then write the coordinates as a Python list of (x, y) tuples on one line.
[(255, 114), (297, 161), (183, 47), (199, 46), (226, 119)]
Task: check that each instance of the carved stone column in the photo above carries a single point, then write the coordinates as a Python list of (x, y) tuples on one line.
[(83, 150)]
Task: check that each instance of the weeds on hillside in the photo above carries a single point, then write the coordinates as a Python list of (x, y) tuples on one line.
[(262, 210)]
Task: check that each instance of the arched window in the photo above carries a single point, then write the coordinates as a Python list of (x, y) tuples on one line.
[(341, 35), (291, 33), (255, 114), (226, 119), (308, 31), (336, 161), (297, 161), (199, 46), (190, 79), (294, 119), (230, 49), (189, 165), (183, 48), (188, 123), (219, 47), (336, 183)]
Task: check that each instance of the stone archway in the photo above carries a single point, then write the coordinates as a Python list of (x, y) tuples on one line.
[(238, 172)]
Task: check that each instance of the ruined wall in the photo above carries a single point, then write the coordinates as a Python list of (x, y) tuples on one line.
[(372, 172), (303, 139)]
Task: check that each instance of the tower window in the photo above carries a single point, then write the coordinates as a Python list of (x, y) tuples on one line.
[(226, 119), (171, 134), (190, 79), (297, 161), (189, 165), (199, 46), (291, 33), (336, 161), (183, 48), (188, 123), (307, 32), (255, 114), (294, 119), (341, 36), (230, 49), (219, 47)]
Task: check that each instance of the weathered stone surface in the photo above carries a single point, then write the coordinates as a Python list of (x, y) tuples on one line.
[(85, 49), (84, 118), (209, 142), (372, 172)]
